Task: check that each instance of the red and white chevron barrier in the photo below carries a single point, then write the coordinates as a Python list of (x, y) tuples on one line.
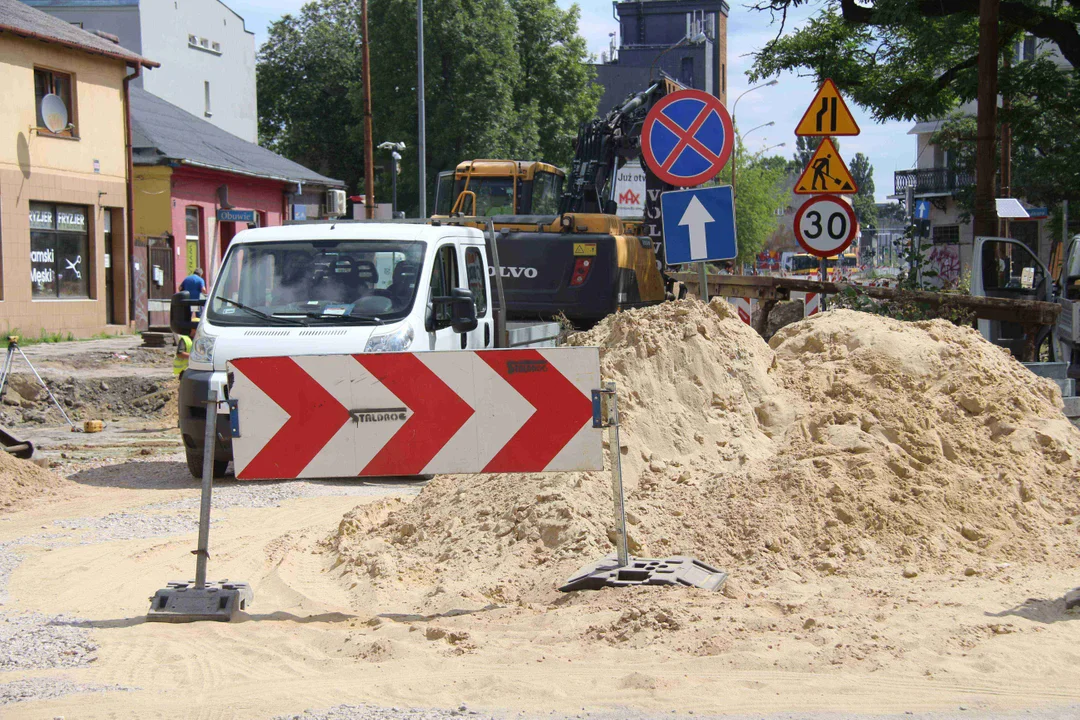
[(491, 411)]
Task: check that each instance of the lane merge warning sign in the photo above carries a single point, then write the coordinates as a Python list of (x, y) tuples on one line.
[(828, 114)]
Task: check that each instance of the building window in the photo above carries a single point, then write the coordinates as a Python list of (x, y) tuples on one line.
[(1027, 48), (686, 71), (206, 97), (945, 234), (59, 251), (205, 44), (193, 235), (54, 98)]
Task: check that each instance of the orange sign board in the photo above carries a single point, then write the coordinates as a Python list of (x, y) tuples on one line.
[(826, 173), (828, 114)]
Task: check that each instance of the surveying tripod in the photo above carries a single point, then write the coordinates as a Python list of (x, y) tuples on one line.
[(13, 347)]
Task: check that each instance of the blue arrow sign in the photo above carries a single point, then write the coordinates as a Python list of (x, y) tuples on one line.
[(699, 225), (922, 210)]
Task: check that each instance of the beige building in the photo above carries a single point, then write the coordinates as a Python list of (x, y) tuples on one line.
[(65, 258)]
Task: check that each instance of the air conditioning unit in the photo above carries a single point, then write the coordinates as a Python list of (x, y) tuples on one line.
[(335, 202)]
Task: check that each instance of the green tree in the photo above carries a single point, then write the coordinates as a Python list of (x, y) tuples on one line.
[(759, 192), (905, 60), (503, 78), (307, 73), (862, 172), (556, 77)]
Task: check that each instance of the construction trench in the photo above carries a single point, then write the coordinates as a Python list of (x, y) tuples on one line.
[(896, 505)]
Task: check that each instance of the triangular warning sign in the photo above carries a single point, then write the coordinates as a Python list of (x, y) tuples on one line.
[(828, 114), (826, 173)]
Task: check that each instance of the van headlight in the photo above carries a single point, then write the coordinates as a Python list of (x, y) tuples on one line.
[(395, 341), (202, 349)]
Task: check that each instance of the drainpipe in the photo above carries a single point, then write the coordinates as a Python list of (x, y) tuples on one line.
[(130, 191)]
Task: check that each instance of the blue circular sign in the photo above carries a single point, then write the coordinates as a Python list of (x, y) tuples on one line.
[(687, 138)]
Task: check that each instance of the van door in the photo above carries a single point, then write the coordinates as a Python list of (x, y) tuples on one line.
[(1007, 268), (472, 259), (444, 278)]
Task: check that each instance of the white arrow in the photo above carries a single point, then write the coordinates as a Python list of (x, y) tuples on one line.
[(696, 216)]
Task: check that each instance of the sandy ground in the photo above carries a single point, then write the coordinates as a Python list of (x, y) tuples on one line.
[(309, 642), (804, 629)]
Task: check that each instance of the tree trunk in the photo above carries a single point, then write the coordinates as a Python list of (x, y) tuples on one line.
[(985, 211)]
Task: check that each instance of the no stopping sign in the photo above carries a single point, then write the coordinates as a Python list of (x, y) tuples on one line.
[(825, 225)]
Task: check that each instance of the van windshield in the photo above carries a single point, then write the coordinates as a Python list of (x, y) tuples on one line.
[(317, 282)]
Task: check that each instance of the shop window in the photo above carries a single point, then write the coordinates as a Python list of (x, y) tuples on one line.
[(54, 100), (59, 251), (192, 236)]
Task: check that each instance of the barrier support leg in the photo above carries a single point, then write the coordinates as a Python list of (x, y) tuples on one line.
[(199, 600)]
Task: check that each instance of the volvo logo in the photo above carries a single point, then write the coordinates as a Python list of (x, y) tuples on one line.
[(514, 272)]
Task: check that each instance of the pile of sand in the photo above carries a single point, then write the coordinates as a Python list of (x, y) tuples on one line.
[(852, 442), (22, 481)]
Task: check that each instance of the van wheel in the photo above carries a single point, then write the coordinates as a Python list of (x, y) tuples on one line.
[(195, 463)]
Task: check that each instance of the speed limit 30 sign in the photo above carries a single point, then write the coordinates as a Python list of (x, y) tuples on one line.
[(825, 225)]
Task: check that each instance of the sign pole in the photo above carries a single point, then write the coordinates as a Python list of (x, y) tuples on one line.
[(202, 552), (703, 282), (615, 450)]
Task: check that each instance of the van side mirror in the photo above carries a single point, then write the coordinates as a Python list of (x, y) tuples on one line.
[(462, 310), (180, 311)]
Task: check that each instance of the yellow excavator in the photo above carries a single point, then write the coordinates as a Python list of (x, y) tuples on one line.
[(562, 248)]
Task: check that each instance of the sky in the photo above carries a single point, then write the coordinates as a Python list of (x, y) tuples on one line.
[(888, 145)]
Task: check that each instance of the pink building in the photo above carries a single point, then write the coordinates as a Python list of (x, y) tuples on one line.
[(195, 186)]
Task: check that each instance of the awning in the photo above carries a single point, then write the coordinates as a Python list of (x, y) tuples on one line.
[(926, 126), (1010, 208)]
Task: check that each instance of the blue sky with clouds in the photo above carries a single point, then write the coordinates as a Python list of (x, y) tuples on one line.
[(886, 144)]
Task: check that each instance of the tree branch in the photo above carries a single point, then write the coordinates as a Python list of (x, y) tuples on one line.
[(1037, 21)]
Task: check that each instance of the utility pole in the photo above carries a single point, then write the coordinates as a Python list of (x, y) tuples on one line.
[(1006, 148), (369, 151), (422, 144), (985, 209)]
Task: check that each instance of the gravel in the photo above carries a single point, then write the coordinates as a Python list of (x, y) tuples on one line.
[(271, 493), (370, 712), (131, 525), (47, 688), (32, 641), (962, 712)]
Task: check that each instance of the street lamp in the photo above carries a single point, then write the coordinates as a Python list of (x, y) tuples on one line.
[(687, 40), (421, 121), (395, 149), (735, 105), (735, 162), (773, 147)]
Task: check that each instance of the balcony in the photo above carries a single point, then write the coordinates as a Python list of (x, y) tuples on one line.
[(933, 181)]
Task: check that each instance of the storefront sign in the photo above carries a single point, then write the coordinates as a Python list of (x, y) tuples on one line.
[(41, 218), (72, 219), (242, 216)]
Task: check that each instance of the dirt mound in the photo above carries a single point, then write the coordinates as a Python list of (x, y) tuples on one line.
[(22, 481), (853, 441), (85, 398)]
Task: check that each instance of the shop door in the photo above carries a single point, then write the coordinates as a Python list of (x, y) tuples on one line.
[(161, 281), (110, 283)]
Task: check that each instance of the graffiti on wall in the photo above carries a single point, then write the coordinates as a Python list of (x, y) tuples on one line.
[(946, 260)]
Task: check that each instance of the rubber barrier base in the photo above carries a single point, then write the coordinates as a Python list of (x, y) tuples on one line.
[(675, 570), (183, 602)]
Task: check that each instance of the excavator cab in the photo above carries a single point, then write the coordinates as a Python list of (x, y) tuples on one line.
[(487, 188)]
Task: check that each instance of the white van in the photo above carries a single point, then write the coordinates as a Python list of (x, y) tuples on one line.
[(338, 288)]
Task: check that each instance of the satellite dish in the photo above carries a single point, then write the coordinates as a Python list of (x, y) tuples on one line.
[(54, 113)]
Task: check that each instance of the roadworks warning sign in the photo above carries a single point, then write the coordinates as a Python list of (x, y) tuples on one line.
[(826, 173)]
